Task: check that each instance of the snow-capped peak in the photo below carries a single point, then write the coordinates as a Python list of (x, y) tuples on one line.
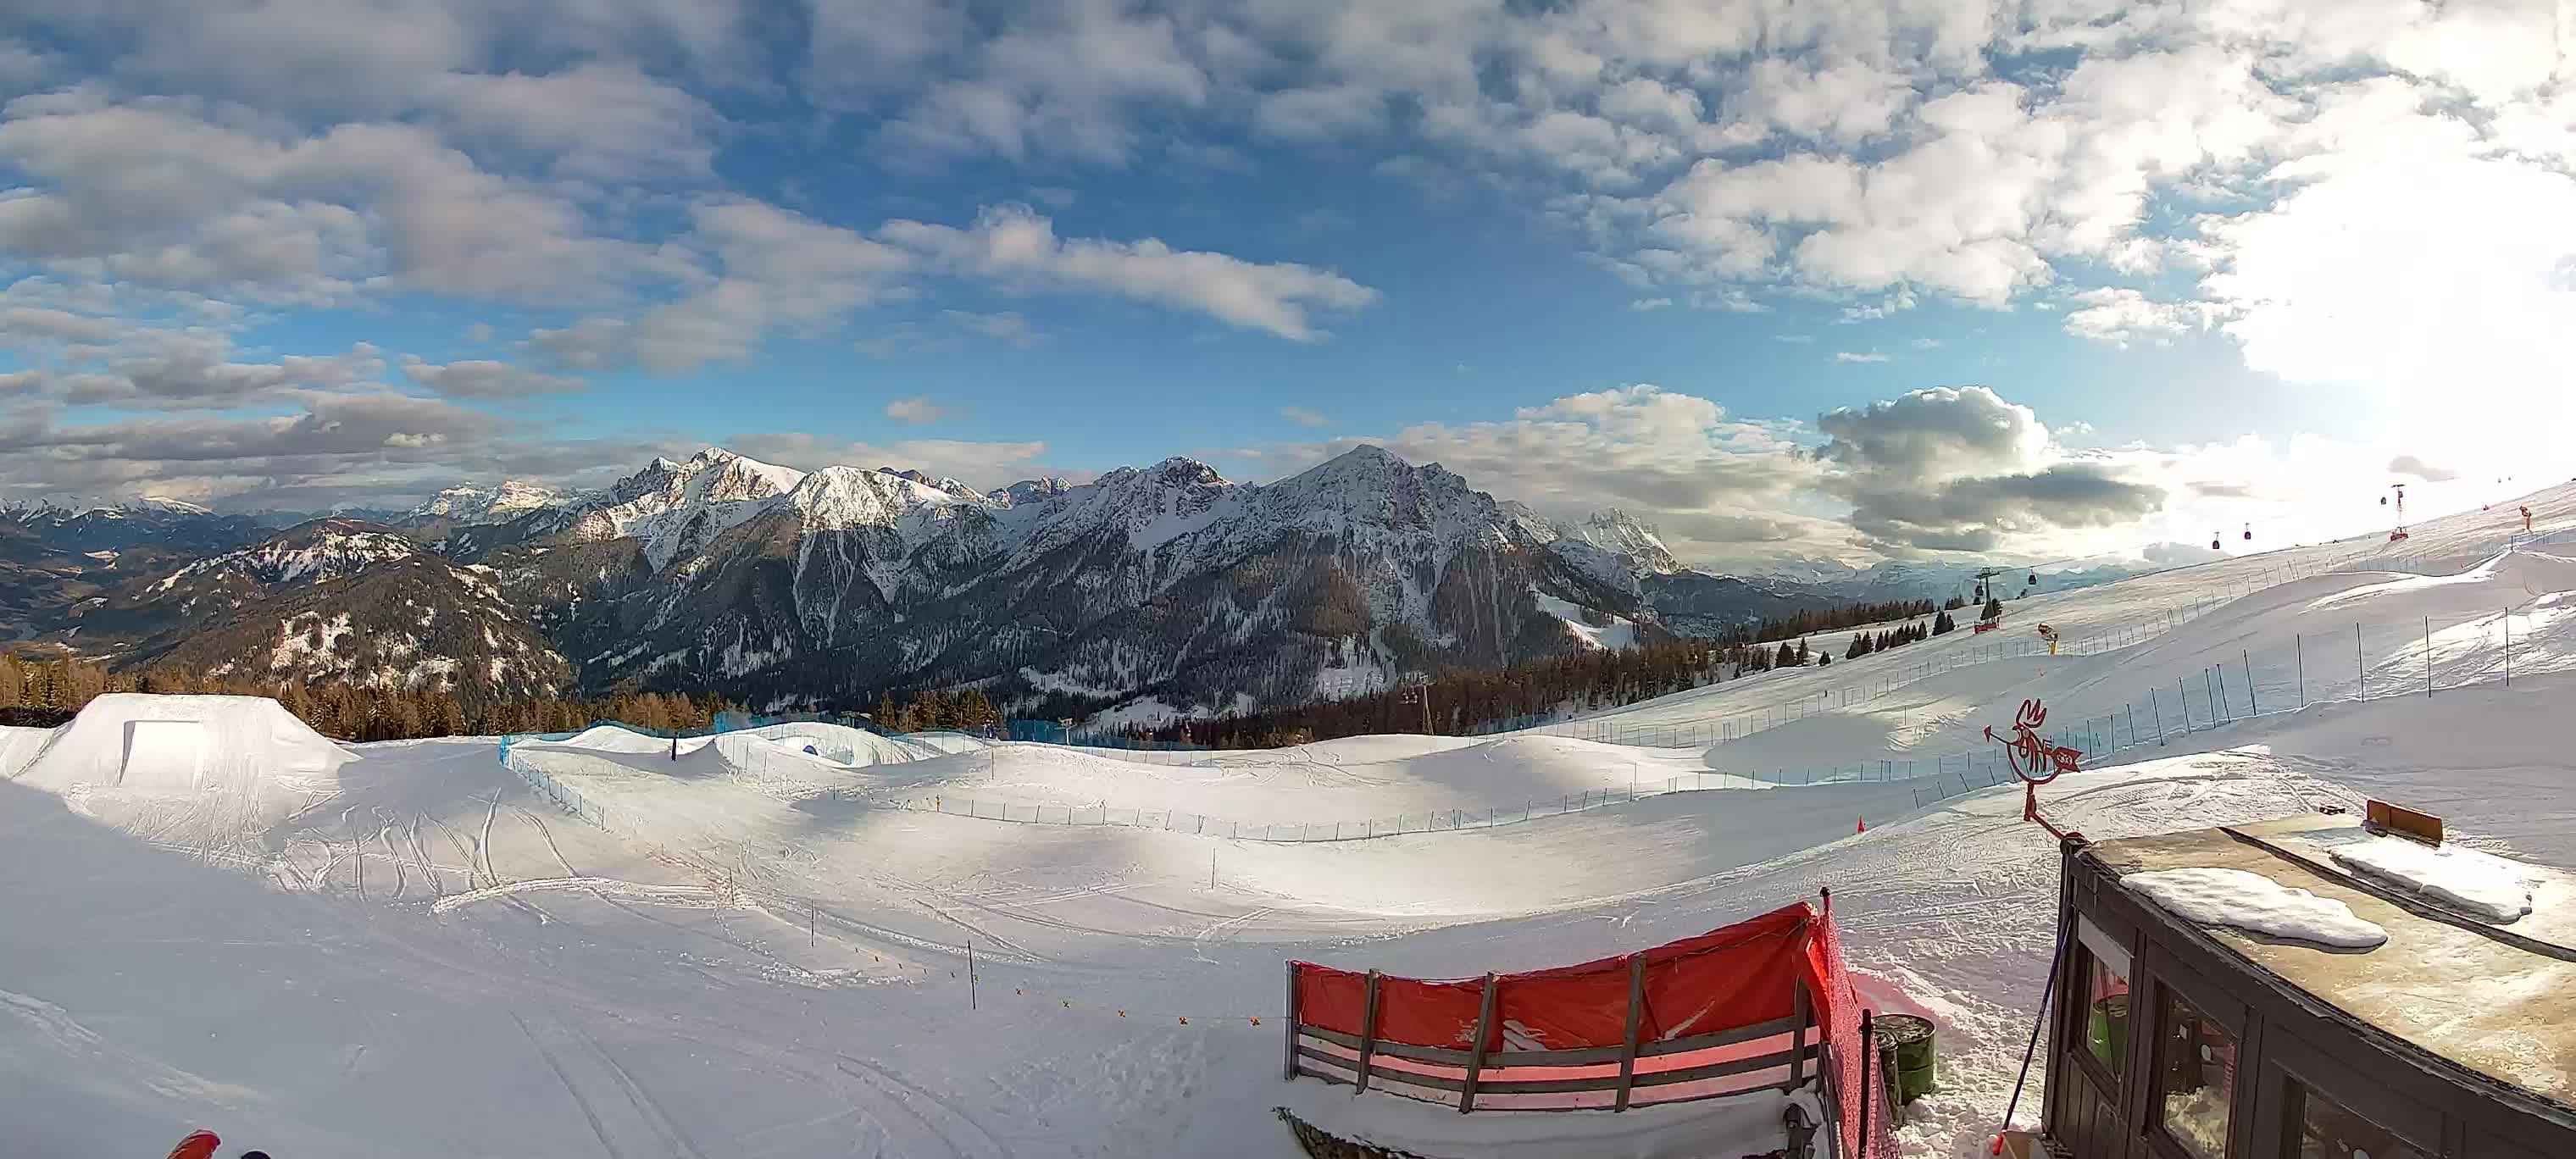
[(476, 505), (1630, 538), (171, 506), (324, 549), (837, 498), (1029, 491), (677, 507)]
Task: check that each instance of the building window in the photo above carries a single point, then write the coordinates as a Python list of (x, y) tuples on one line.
[(2106, 1022), (2195, 1078), (2327, 1131)]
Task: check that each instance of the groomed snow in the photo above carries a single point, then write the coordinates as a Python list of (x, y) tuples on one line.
[(2482, 884), (759, 958), (2256, 904)]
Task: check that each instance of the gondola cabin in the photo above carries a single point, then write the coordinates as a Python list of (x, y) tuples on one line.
[(2182, 1037)]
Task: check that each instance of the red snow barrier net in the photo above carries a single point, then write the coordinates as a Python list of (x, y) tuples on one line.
[(1763, 1004)]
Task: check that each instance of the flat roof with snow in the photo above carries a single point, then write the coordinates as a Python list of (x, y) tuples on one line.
[(2311, 986), (2494, 997)]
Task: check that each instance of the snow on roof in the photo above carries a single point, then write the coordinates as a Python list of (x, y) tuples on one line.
[(2248, 901), (2482, 884)]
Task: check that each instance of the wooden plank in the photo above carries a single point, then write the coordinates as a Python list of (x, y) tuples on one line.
[(1572, 1056), (1368, 1030), (2422, 826), (1484, 1034), (1291, 1020), (1648, 1080), (1798, 1036), (1636, 1016), (1722, 1069)]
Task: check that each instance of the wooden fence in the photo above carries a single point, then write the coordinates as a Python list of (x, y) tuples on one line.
[(1780, 1054)]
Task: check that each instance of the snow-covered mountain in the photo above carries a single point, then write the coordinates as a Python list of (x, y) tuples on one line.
[(474, 506), (1167, 584), (1168, 581), (1626, 536), (330, 600)]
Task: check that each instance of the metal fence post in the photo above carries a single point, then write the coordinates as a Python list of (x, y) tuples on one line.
[(2183, 694), (2250, 704), (2300, 643), (2428, 655), (1290, 1073)]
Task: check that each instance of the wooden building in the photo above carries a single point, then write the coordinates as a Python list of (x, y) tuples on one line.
[(2173, 1039)]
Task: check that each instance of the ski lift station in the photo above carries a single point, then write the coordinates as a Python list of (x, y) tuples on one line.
[(2322, 987)]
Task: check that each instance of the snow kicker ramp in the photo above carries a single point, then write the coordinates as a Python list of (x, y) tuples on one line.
[(183, 745)]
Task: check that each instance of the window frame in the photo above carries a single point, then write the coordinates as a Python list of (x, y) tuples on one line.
[(2172, 980), (2289, 1059), (2093, 944)]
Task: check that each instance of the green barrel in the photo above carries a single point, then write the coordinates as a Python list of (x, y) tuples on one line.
[(2108, 1031), (1911, 1040)]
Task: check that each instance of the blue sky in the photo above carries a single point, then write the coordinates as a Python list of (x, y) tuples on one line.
[(1842, 278)]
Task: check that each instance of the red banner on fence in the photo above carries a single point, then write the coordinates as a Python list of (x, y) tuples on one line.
[(1740, 976)]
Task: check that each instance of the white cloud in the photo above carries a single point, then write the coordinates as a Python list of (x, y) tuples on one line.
[(920, 408), (595, 121), (1017, 248), (484, 378), (1847, 356), (1644, 304), (1006, 326), (2119, 315), (1717, 486), (1303, 417)]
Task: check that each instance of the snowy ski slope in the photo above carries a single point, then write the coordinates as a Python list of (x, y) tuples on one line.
[(760, 953)]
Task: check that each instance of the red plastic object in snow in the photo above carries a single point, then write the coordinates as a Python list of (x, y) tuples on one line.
[(198, 1145)]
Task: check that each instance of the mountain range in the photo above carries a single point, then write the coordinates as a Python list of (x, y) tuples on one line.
[(1142, 593)]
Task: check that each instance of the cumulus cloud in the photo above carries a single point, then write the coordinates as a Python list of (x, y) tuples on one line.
[(349, 445), (156, 193), (1962, 469), (2119, 315)]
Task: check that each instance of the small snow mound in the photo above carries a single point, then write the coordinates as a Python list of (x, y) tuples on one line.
[(2256, 904), (2482, 884), (614, 738), (845, 745)]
